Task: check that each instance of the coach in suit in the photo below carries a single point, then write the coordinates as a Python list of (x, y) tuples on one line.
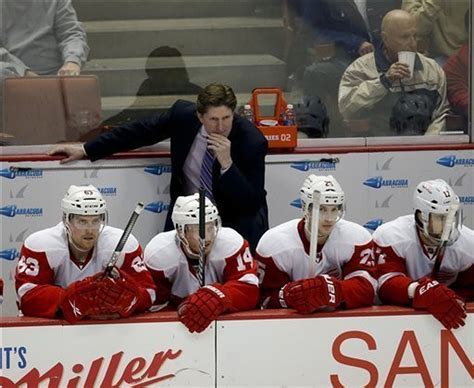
[(239, 148)]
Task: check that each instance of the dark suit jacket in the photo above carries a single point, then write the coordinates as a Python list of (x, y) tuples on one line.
[(340, 22), (239, 193)]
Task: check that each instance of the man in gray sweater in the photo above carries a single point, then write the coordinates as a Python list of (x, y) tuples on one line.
[(41, 37)]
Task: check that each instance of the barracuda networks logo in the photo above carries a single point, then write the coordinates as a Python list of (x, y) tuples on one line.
[(157, 207), (13, 211), (451, 161), (16, 172), (320, 165), (466, 199), (108, 191), (296, 203), (378, 182), (9, 254), (373, 224), (158, 169)]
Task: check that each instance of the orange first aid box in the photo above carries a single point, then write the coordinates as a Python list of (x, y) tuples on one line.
[(279, 135)]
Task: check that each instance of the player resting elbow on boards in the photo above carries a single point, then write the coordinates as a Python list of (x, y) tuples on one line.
[(420, 255), (340, 272), (60, 272), (225, 280)]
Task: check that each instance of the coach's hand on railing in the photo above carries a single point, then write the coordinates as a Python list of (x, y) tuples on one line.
[(72, 152)]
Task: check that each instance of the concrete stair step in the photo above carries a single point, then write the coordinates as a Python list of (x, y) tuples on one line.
[(165, 9), (196, 36), (123, 76)]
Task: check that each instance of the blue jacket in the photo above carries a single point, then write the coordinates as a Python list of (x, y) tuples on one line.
[(341, 23)]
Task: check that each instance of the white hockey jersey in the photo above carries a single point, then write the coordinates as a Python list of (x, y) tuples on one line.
[(399, 251), (283, 255), (45, 260), (229, 263)]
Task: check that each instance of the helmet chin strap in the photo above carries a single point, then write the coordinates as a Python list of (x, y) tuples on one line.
[(427, 238), (308, 231), (185, 245)]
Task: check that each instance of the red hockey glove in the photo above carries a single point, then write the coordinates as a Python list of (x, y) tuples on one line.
[(441, 302), (199, 309), (1, 290), (81, 300), (308, 295), (118, 295)]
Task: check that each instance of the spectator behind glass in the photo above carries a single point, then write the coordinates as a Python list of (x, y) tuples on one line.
[(41, 37), (440, 25), (372, 84), (295, 47), (457, 76), (345, 30)]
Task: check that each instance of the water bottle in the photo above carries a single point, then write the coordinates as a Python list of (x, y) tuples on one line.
[(248, 113), (289, 116)]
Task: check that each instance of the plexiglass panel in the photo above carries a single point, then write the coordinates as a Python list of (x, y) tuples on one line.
[(370, 68)]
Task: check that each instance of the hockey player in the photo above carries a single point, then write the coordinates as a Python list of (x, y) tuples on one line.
[(411, 270), (60, 270), (230, 273), (341, 274)]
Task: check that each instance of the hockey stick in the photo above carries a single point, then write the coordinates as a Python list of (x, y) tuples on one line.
[(447, 227), (313, 244), (202, 237), (123, 239)]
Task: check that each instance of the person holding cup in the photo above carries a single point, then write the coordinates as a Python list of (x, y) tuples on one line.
[(373, 84)]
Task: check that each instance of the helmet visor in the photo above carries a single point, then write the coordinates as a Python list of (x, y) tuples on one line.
[(437, 225)]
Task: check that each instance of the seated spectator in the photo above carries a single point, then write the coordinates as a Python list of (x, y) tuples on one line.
[(202, 288), (413, 270), (351, 28), (295, 43), (372, 84), (61, 269), (340, 275), (440, 26), (457, 76), (41, 37)]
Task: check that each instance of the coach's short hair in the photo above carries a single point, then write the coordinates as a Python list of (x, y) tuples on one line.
[(215, 95)]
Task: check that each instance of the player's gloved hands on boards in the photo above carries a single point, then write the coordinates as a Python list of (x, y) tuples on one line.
[(441, 302), (81, 300), (198, 310), (119, 294), (308, 295)]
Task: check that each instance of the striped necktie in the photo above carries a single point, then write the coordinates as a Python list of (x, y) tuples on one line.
[(206, 173)]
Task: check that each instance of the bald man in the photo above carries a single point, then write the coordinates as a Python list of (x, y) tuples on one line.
[(373, 84)]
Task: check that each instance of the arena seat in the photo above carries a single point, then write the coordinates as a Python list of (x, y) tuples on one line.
[(50, 109)]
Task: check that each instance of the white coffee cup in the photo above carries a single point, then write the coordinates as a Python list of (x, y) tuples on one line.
[(407, 57)]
